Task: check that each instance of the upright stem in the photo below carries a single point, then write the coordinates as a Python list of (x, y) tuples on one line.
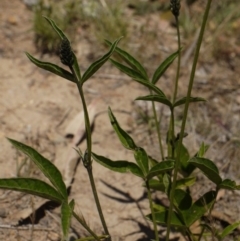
[(179, 61), (191, 80), (94, 190), (152, 211), (86, 116), (89, 151), (87, 122), (172, 135), (158, 129)]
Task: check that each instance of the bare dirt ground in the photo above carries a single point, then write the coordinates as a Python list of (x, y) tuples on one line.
[(36, 107)]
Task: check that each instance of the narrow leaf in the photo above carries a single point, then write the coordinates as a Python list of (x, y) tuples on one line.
[(66, 214), (118, 166), (199, 208), (151, 87), (31, 186), (137, 77), (209, 169), (125, 139), (229, 229), (185, 182), (183, 100), (129, 59), (47, 167), (163, 67), (141, 158), (51, 68), (161, 218), (128, 71), (76, 68), (156, 98), (167, 183), (93, 68), (203, 149), (56, 28), (161, 167), (228, 184)]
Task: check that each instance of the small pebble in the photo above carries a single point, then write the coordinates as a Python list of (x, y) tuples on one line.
[(3, 213)]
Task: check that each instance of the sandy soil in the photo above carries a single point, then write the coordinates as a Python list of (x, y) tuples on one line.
[(36, 107)]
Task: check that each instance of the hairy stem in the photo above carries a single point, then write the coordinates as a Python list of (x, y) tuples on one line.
[(191, 80)]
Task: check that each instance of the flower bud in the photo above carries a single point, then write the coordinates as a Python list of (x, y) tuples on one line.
[(175, 7), (66, 54), (86, 162)]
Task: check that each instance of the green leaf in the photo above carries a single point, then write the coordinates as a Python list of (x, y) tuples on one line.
[(182, 199), (76, 68), (229, 184), (161, 167), (203, 149), (66, 214), (141, 158), (152, 161), (151, 86), (185, 168), (161, 218), (167, 183), (159, 208), (209, 169), (93, 68), (156, 98), (125, 139), (47, 167), (183, 100), (129, 59), (31, 186), (163, 67), (118, 166), (136, 76), (128, 71), (185, 182), (199, 208), (156, 185), (56, 28), (52, 68), (229, 230)]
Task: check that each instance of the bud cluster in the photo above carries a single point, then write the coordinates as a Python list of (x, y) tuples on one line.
[(175, 7), (66, 54)]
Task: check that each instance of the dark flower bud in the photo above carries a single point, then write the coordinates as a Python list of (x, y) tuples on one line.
[(66, 54), (86, 162), (175, 7)]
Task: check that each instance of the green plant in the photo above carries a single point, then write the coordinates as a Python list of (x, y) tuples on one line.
[(109, 22), (45, 39), (106, 20), (171, 174)]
